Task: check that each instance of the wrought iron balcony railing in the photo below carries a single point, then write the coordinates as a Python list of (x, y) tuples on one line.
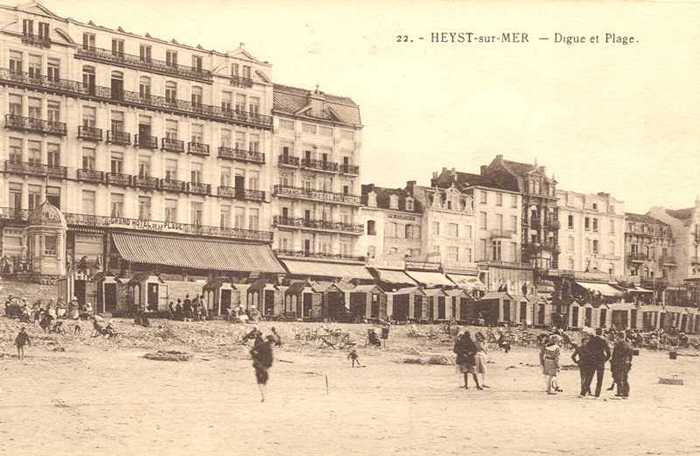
[(240, 81), (14, 214), (638, 257), (195, 148), (144, 63), (503, 234), (316, 195), (198, 188), (172, 185), (123, 180), (552, 225), (135, 99), (350, 169), (241, 155), (320, 165), (319, 255), (35, 169), (118, 137), (89, 133), (90, 175), (37, 41), (31, 124), (280, 220), (146, 142), (172, 145), (145, 182), (241, 193), (288, 160)]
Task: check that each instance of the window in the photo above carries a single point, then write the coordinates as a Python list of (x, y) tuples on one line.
[(35, 196), (514, 252), (571, 247), (253, 180), (595, 206), (89, 41), (499, 221), (226, 101), (144, 166), (89, 79), (89, 117), (254, 106), (198, 133), (145, 87), (246, 72), (171, 129), (15, 150), (514, 223), (612, 248), (239, 217), (254, 143), (225, 177), (371, 251), (53, 196), (483, 220), (53, 155), (390, 230), (453, 230), (145, 53), (50, 245), (88, 158), (28, 27), (513, 201), (468, 255), (308, 128), (15, 62), (117, 123), (393, 202), (496, 250), (15, 195), (612, 226), (170, 211), (499, 199), (117, 205), (595, 224), (225, 138), (197, 214), (286, 124), (171, 58), (235, 69), (197, 63), (587, 224), (595, 246), (371, 228), (453, 255), (170, 92), (484, 197), (88, 202), (571, 222), (44, 30), (34, 66), (468, 231), (15, 107), (144, 207), (436, 228), (240, 140), (34, 152), (253, 219), (118, 48), (116, 164), (409, 204), (170, 169), (197, 97), (53, 70), (53, 111), (35, 108), (196, 173)]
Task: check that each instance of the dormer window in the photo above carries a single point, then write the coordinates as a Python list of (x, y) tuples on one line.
[(393, 202), (595, 206), (372, 199), (171, 58), (409, 204)]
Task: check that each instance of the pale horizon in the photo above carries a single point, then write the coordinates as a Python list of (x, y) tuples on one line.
[(614, 119)]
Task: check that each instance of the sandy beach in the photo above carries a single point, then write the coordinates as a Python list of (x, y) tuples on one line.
[(101, 397)]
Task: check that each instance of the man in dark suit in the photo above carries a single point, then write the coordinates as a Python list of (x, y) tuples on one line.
[(599, 353)]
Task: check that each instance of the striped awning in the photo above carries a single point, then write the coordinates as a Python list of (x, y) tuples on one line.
[(327, 269), (430, 279), (395, 277), (603, 288), (467, 282), (203, 254)]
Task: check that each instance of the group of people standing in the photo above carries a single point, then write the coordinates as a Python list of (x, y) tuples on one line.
[(189, 309), (471, 358)]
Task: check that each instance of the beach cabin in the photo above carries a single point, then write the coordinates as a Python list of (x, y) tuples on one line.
[(266, 297), (461, 306), (110, 290), (407, 304), (221, 296), (498, 307), (302, 301), (147, 292), (436, 304), (368, 302), (334, 300)]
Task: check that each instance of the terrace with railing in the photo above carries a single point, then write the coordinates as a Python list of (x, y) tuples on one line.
[(198, 188), (349, 169), (89, 133), (318, 255), (90, 175), (34, 125), (228, 153), (119, 96), (118, 137), (35, 169), (172, 145), (146, 142), (320, 165), (196, 148), (241, 193), (145, 182), (288, 160), (323, 225), (316, 195)]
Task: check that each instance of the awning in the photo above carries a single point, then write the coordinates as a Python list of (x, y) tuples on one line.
[(323, 269), (430, 279), (602, 288), (205, 254), (466, 281), (409, 291), (637, 289), (394, 276)]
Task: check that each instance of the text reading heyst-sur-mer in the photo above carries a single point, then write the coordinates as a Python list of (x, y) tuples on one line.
[(520, 38)]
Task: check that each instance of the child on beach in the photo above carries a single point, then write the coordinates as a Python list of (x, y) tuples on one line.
[(354, 357), (21, 340), (549, 359)]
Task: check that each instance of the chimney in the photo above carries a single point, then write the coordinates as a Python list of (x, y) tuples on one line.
[(316, 99), (410, 186), (483, 170)]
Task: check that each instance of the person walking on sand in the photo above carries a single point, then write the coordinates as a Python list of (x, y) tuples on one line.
[(21, 340), (549, 359), (262, 361), (465, 349), (600, 354), (620, 364), (582, 358), (354, 357), (480, 358)]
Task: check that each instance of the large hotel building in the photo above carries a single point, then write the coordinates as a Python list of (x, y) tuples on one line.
[(163, 157)]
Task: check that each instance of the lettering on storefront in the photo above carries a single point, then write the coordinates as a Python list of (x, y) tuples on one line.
[(402, 217)]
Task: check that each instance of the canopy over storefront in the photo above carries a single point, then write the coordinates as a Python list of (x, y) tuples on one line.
[(603, 288), (468, 282), (327, 269), (430, 279), (394, 276), (203, 254)]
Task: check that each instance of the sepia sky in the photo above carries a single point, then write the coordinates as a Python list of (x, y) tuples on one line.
[(613, 118)]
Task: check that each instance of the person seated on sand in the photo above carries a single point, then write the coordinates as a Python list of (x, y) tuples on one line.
[(372, 338), (99, 330)]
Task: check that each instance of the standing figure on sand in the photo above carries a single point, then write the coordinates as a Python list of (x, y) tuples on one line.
[(549, 359), (262, 360), (466, 350)]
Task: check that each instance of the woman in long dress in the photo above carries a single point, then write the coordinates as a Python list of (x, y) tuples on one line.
[(465, 349)]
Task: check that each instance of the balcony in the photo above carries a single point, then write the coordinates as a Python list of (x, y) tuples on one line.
[(198, 188), (638, 257), (320, 165), (352, 170), (196, 148), (172, 145), (318, 255), (288, 160), (121, 97), (553, 247), (667, 260), (502, 234), (121, 138), (146, 142), (240, 81), (37, 41), (172, 185), (285, 191), (98, 221), (145, 182), (12, 214), (122, 180), (228, 153), (241, 194), (90, 133), (33, 125), (35, 169), (125, 60), (90, 175), (535, 223), (320, 225), (552, 225)]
